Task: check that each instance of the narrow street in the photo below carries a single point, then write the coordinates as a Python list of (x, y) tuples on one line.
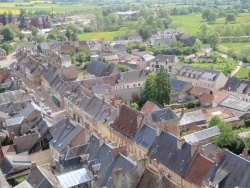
[(38, 93)]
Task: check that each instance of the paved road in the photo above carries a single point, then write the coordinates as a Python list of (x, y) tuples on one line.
[(38, 93), (10, 59)]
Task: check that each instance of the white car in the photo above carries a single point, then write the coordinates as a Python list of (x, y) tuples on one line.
[(38, 88), (31, 91), (46, 110), (42, 99), (181, 100)]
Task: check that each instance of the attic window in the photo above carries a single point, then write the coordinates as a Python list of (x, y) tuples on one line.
[(59, 145), (54, 141)]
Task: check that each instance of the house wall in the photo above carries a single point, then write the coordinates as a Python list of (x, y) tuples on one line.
[(46, 157), (127, 94), (189, 185), (220, 81), (79, 139), (194, 82)]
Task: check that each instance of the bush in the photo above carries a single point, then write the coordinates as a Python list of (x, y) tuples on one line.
[(192, 104), (6, 141), (247, 122)]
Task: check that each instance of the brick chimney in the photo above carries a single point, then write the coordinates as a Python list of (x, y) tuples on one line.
[(180, 142), (217, 156), (182, 113), (119, 149)]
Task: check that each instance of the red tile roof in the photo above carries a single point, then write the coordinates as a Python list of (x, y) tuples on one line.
[(209, 112), (219, 96), (68, 48), (126, 123), (207, 98), (198, 91), (198, 170), (149, 107)]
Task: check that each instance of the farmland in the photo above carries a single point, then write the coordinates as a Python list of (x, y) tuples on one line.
[(15, 7), (191, 23), (243, 72)]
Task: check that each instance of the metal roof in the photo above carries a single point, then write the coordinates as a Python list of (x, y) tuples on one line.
[(74, 178)]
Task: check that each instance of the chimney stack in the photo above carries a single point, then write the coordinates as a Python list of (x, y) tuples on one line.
[(180, 142), (158, 130), (33, 165), (217, 156)]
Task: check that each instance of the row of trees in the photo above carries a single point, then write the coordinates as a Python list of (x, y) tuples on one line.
[(210, 16)]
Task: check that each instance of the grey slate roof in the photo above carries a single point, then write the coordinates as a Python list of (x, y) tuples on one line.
[(102, 89), (100, 69), (145, 137), (50, 73), (236, 104), (178, 85), (128, 167), (165, 151), (196, 116), (6, 165), (29, 109), (11, 96), (45, 46), (67, 132), (233, 84), (232, 171), (202, 135), (24, 184), (133, 76), (163, 58), (12, 108), (164, 115)]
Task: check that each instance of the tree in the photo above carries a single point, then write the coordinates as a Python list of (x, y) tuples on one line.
[(204, 29), (206, 13), (134, 105), (215, 121), (230, 17), (7, 47), (213, 40), (226, 136), (8, 35), (34, 31), (145, 31), (212, 17), (123, 68), (148, 89), (163, 87)]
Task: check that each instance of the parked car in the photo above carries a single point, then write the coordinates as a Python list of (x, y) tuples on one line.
[(38, 88), (42, 99), (181, 100), (46, 110), (31, 91)]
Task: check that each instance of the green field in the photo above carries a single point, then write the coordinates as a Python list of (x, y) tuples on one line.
[(243, 72), (191, 23), (15, 7), (236, 46), (108, 36)]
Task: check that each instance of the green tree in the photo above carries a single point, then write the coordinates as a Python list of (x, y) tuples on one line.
[(212, 17), (7, 47), (134, 105), (34, 31), (162, 87), (148, 89), (226, 136), (215, 121), (8, 35), (123, 68), (204, 28), (39, 39), (6, 141), (145, 31), (213, 40), (206, 13), (230, 17)]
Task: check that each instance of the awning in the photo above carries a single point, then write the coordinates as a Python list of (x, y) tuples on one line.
[(56, 100)]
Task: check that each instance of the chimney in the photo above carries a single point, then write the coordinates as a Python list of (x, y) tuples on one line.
[(217, 156), (119, 149), (101, 141), (117, 177), (158, 130), (33, 165), (180, 142), (182, 113)]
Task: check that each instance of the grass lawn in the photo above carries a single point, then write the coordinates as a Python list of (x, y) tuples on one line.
[(225, 66), (108, 36), (234, 45), (191, 23), (243, 72)]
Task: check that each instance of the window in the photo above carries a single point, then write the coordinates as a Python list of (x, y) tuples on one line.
[(153, 65)]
